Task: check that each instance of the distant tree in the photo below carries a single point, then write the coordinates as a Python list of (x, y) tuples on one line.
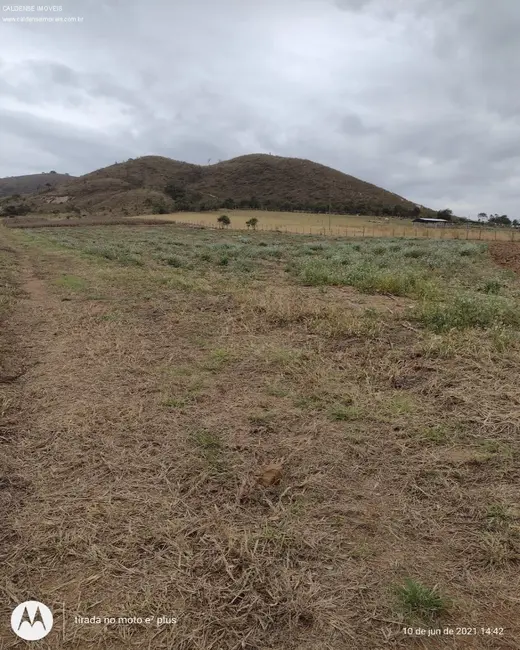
[(16, 210), (416, 211), (224, 220), (228, 204), (175, 191), (502, 220), (254, 203), (482, 216), (445, 214), (516, 222), (252, 223), (52, 171)]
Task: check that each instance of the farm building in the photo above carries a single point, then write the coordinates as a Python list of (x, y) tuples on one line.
[(431, 222)]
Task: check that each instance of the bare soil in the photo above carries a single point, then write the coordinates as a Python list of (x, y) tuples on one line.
[(506, 254)]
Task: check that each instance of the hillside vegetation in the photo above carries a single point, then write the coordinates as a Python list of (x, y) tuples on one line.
[(154, 184), (31, 183)]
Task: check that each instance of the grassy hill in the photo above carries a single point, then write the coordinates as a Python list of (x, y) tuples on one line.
[(30, 183), (155, 184)]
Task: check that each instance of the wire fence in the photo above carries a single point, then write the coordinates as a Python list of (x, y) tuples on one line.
[(420, 232)]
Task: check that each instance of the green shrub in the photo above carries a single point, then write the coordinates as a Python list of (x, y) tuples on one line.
[(464, 311)]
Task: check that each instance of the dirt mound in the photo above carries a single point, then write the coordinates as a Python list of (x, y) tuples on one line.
[(506, 254)]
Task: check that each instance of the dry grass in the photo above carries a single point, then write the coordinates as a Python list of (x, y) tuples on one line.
[(338, 224), (157, 400)]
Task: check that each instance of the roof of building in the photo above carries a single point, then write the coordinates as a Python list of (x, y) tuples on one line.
[(432, 220)]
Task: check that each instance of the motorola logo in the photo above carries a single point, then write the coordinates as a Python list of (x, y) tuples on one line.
[(32, 620)]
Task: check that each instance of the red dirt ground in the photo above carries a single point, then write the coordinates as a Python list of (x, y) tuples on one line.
[(506, 254)]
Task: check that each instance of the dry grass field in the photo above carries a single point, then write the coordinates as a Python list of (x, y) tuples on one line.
[(280, 441), (338, 225)]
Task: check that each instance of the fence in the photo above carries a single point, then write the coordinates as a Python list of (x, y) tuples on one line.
[(419, 232)]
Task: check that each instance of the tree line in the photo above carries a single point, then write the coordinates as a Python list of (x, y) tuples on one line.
[(189, 201), (497, 220)]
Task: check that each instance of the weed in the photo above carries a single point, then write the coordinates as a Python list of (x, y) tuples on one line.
[(421, 601), (344, 413)]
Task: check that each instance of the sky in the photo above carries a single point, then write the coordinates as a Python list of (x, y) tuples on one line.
[(417, 96)]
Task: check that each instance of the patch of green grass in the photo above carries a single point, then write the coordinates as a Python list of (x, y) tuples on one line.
[(345, 413), (465, 311), (211, 448), (71, 282), (420, 601), (492, 286), (217, 359), (400, 405), (111, 317), (498, 516), (437, 434), (175, 402), (497, 448), (174, 261), (276, 388)]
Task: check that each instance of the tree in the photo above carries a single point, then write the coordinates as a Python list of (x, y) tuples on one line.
[(175, 191), (252, 223), (228, 204), (502, 220), (445, 214), (516, 223), (16, 210), (224, 220), (482, 216), (416, 211)]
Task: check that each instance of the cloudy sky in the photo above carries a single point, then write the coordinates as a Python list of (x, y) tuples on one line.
[(418, 96)]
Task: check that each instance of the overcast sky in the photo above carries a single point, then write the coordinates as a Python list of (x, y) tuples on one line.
[(418, 96)]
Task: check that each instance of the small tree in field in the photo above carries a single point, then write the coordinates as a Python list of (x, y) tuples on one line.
[(252, 223), (224, 220)]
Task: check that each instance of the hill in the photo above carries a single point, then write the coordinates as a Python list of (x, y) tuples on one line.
[(30, 183), (157, 184)]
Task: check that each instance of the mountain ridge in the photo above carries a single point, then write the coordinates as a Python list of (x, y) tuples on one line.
[(256, 181)]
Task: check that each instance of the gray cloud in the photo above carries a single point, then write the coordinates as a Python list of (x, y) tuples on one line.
[(415, 95)]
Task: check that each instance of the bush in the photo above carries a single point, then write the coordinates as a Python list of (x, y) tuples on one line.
[(16, 210), (224, 220), (252, 223)]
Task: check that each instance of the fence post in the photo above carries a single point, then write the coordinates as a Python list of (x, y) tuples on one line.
[(495, 234)]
